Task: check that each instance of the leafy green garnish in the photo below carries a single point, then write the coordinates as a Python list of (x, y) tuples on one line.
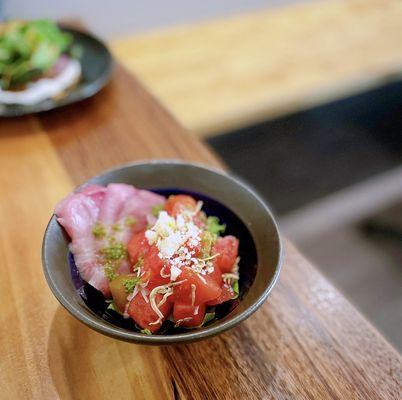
[(99, 231), (130, 283), (235, 288), (29, 49), (146, 331), (157, 209), (209, 316), (112, 307), (214, 226)]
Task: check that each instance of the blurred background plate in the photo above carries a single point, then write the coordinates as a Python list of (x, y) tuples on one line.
[(96, 65)]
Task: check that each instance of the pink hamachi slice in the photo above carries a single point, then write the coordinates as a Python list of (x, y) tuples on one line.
[(95, 192), (114, 201), (108, 206), (78, 214), (110, 213), (140, 206)]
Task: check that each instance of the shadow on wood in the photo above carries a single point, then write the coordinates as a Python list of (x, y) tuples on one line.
[(214, 368), (85, 364)]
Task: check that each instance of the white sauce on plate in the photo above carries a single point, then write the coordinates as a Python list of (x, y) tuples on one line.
[(44, 88)]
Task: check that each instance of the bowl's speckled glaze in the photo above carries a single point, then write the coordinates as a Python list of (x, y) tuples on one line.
[(237, 205)]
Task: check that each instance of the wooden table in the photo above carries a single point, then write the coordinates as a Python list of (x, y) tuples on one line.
[(307, 341), (221, 75)]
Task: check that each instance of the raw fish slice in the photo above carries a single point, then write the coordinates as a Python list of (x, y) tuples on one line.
[(119, 202), (95, 192), (125, 267), (140, 206), (111, 200), (150, 200), (115, 197), (100, 282), (85, 250), (78, 214), (114, 201)]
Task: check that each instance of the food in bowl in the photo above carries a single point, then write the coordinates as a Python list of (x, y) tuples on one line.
[(245, 215), (37, 62), (154, 259)]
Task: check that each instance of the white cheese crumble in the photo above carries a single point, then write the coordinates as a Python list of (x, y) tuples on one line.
[(176, 239), (170, 234)]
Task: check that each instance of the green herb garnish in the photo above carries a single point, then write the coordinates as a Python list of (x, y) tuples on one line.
[(116, 228), (116, 251), (113, 254), (112, 307), (146, 331), (209, 316), (157, 209), (130, 283), (110, 272), (99, 231), (214, 226), (130, 221), (235, 287)]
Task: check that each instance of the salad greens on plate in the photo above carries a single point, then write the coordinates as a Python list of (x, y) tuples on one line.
[(29, 50)]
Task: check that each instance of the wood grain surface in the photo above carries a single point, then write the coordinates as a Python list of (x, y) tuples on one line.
[(306, 342), (221, 75)]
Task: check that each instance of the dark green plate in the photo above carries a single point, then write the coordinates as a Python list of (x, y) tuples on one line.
[(96, 67)]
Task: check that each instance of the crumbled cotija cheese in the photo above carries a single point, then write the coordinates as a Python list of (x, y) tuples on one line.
[(175, 239)]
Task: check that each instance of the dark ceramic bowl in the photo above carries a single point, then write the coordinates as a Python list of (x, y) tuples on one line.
[(96, 68), (245, 215)]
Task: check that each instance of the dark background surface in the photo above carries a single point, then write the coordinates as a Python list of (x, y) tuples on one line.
[(313, 154), (305, 156)]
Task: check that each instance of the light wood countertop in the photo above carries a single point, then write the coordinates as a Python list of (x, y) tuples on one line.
[(220, 75), (307, 341)]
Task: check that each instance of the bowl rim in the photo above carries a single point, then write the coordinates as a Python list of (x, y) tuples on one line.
[(95, 322)]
